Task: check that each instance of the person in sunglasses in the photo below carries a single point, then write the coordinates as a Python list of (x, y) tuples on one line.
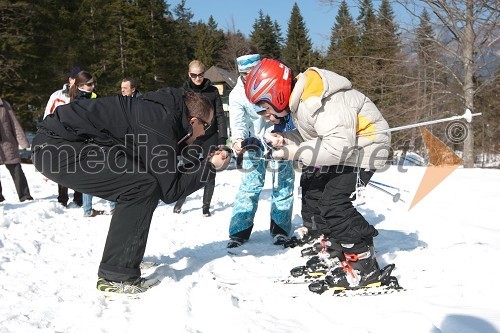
[(83, 88), (125, 150), (215, 136)]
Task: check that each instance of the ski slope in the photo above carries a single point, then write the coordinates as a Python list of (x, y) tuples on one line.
[(446, 252)]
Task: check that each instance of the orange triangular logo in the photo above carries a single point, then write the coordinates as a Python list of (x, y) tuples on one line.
[(443, 161)]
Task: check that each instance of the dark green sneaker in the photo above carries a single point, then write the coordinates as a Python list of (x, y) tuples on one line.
[(127, 287)]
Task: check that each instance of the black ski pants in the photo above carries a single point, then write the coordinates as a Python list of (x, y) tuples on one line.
[(208, 190), (23, 191), (208, 193), (62, 196), (327, 205), (72, 164)]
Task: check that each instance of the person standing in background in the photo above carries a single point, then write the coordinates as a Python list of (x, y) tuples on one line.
[(215, 136), (11, 137), (61, 97), (83, 88), (129, 87)]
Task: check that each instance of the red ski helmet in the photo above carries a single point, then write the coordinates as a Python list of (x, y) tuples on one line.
[(269, 81)]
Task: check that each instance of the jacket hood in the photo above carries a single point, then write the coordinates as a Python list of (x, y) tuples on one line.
[(314, 85)]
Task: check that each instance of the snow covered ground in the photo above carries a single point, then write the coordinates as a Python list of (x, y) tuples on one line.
[(446, 252)]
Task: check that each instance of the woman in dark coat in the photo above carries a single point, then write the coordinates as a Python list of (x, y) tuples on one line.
[(215, 136), (11, 137)]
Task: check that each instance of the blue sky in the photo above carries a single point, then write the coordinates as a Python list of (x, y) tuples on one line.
[(319, 17)]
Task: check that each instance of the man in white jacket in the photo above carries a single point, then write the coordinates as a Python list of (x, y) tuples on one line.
[(329, 116)]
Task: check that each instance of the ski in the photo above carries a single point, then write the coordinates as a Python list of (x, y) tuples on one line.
[(314, 269), (384, 289), (387, 285), (305, 279)]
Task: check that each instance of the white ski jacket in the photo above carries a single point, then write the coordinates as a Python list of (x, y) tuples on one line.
[(59, 97), (328, 115), (243, 118)]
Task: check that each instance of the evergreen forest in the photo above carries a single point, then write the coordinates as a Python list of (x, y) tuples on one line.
[(445, 61)]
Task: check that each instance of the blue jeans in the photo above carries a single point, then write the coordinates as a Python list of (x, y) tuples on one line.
[(87, 203), (247, 198)]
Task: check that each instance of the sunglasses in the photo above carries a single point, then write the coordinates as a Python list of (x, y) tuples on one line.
[(205, 125), (194, 76)]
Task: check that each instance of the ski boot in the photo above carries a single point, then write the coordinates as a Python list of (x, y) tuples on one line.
[(302, 237), (356, 271), (324, 245), (328, 256), (315, 267)]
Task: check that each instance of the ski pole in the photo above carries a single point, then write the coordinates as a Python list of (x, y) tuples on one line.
[(385, 185), (395, 197), (467, 116)]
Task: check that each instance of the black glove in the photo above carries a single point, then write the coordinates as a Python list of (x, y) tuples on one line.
[(252, 144)]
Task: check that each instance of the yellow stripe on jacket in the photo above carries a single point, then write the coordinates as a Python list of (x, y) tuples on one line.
[(365, 126)]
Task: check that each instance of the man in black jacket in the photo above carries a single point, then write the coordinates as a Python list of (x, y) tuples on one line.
[(216, 134), (125, 150)]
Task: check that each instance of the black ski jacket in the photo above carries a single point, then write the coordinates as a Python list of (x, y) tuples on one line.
[(216, 134), (148, 129)]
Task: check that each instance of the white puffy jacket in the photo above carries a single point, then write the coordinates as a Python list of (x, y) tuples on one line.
[(328, 115)]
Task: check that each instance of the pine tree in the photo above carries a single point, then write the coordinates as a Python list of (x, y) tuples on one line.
[(209, 42), (298, 47), (368, 26), (344, 42), (162, 62), (185, 27), (387, 30), (109, 44), (387, 62), (30, 45), (266, 36)]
